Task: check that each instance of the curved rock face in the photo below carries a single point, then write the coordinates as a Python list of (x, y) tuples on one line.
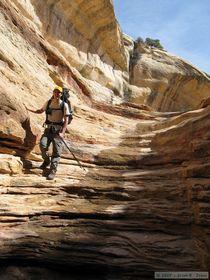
[(141, 201), (88, 36), (174, 84)]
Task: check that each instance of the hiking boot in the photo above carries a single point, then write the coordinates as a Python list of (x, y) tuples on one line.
[(51, 176), (45, 164)]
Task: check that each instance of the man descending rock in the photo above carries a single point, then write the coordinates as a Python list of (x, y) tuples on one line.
[(57, 118)]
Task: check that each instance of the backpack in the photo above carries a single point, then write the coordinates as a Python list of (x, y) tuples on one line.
[(65, 99)]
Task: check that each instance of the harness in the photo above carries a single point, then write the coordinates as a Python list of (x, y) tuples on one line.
[(49, 112)]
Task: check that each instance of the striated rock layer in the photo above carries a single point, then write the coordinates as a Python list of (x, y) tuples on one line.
[(175, 85), (141, 201)]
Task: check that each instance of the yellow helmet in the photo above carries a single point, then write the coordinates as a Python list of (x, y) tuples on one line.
[(58, 88)]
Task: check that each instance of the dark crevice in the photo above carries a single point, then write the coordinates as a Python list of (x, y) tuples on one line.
[(30, 138)]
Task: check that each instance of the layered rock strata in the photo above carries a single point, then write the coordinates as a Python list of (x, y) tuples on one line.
[(144, 199), (174, 84)]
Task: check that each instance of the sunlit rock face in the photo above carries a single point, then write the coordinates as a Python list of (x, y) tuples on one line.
[(140, 202), (175, 85), (88, 36)]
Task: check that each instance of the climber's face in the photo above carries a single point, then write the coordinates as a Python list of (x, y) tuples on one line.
[(56, 94)]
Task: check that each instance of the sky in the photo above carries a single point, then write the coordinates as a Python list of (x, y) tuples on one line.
[(182, 26)]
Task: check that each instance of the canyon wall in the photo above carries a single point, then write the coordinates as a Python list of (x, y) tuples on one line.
[(175, 84)]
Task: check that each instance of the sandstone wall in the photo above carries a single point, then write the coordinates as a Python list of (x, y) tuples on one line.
[(175, 85), (88, 36)]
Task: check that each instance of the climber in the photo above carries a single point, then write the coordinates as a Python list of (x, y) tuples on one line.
[(57, 116)]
